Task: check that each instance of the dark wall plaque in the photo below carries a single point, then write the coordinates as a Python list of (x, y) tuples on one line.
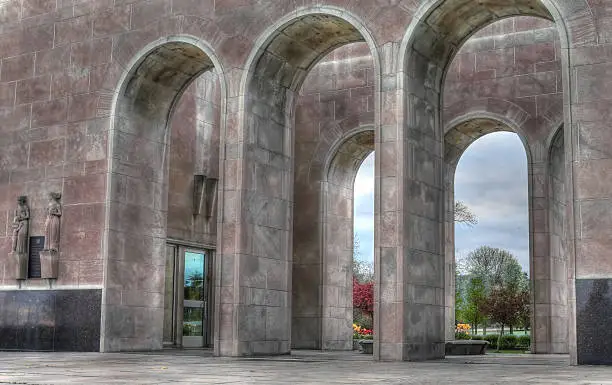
[(36, 246), (593, 315), (57, 320)]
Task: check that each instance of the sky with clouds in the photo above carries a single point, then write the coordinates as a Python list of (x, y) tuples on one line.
[(491, 179)]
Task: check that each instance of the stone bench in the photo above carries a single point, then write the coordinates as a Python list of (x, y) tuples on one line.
[(466, 347)]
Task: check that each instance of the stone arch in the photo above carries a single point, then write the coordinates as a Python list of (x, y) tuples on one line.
[(449, 24), (336, 235), (497, 109), (462, 131), (135, 234), (275, 70), (438, 30), (349, 28)]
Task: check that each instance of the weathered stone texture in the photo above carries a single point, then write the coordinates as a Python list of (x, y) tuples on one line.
[(78, 79), (338, 95), (194, 150)]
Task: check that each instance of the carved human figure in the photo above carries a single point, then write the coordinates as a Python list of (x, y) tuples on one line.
[(21, 222), (52, 224)]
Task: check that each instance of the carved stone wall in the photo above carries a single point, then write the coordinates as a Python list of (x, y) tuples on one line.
[(86, 89)]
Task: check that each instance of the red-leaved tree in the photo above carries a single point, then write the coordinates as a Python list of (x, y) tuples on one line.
[(363, 297), (504, 305)]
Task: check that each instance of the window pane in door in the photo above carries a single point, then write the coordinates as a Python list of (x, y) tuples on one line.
[(194, 276), (192, 321)]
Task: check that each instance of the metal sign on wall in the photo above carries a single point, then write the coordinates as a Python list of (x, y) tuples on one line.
[(37, 244)]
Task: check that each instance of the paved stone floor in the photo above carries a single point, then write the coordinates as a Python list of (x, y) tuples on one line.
[(301, 368)]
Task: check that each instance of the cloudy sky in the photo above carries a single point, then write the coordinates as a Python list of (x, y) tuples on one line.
[(491, 179)]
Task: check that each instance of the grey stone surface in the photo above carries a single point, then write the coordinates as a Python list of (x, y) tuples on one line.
[(189, 367), (87, 91)]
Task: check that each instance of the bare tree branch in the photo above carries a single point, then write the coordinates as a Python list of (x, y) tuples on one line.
[(464, 215)]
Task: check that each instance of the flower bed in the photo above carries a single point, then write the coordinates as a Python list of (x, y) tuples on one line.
[(362, 339), (360, 333)]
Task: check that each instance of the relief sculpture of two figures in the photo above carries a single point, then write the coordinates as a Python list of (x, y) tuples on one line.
[(50, 254)]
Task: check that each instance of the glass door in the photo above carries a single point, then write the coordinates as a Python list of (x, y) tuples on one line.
[(195, 306)]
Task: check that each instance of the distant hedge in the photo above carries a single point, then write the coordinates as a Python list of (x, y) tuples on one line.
[(524, 342), (508, 342)]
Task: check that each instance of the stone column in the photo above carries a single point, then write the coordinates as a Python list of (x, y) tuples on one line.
[(540, 256), (589, 196), (409, 296), (253, 302), (449, 251)]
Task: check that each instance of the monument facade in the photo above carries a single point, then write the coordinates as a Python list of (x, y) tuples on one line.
[(204, 153)]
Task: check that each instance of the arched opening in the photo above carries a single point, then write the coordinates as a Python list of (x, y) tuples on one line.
[(492, 180), (147, 170), (268, 266), (458, 139), (363, 252), (193, 153), (334, 128), (338, 239), (502, 72), (434, 38)]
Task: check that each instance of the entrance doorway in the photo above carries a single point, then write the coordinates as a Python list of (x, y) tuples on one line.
[(187, 297)]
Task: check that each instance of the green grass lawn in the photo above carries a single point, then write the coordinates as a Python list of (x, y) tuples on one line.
[(508, 351)]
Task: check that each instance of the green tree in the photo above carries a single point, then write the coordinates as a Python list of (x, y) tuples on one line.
[(495, 268), (473, 311)]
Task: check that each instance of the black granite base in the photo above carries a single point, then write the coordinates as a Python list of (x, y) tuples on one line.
[(594, 321), (50, 320)]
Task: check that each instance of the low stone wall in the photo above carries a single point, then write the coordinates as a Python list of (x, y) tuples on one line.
[(466, 347)]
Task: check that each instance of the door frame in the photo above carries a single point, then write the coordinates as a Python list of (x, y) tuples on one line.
[(195, 341), (180, 248)]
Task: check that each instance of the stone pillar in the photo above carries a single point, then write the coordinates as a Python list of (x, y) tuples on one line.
[(449, 251), (559, 258), (409, 296), (253, 305), (589, 194), (337, 310), (540, 256), (306, 309)]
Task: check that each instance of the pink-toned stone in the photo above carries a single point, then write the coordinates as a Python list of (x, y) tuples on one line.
[(33, 89), (16, 68), (112, 21), (49, 112), (36, 7), (91, 52), (85, 189), (73, 30)]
